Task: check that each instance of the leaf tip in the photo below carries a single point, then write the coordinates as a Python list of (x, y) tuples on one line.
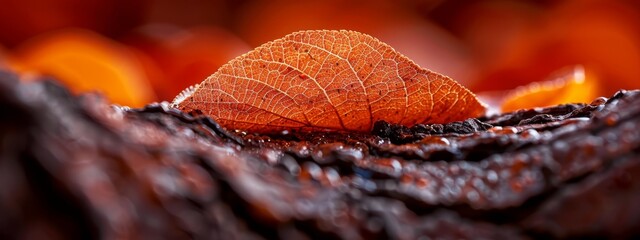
[(184, 95)]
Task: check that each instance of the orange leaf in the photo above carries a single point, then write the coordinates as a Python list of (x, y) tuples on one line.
[(86, 61), (569, 86), (341, 80)]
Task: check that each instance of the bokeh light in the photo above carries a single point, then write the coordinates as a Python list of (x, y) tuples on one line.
[(136, 52)]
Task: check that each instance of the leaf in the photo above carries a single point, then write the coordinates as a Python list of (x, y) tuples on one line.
[(85, 61), (566, 86), (340, 80)]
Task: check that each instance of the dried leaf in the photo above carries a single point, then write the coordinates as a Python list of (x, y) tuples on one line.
[(566, 86), (341, 80)]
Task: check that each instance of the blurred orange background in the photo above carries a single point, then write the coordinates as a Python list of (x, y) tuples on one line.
[(140, 51)]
